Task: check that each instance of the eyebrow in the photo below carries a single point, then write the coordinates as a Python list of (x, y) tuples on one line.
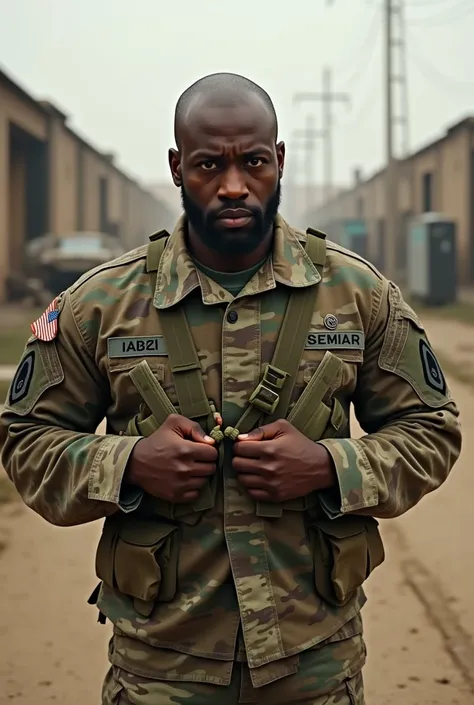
[(215, 152)]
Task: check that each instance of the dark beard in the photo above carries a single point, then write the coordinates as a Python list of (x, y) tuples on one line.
[(229, 241)]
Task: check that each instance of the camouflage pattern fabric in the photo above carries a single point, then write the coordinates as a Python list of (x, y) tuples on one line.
[(327, 676), (235, 570)]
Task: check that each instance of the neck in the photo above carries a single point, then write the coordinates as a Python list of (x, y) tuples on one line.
[(228, 262)]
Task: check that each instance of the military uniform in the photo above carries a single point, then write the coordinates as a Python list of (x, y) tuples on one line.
[(264, 600)]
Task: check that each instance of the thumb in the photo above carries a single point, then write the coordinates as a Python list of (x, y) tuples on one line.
[(189, 429), (262, 433), (197, 434)]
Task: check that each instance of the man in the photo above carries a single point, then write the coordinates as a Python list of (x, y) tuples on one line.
[(240, 515)]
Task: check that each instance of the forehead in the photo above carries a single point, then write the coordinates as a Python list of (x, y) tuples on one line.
[(214, 122)]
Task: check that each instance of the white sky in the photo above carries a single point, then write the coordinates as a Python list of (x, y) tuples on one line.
[(117, 67)]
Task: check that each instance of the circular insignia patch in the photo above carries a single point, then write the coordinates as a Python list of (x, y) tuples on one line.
[(22, 379), (330, 321), (434, 377)]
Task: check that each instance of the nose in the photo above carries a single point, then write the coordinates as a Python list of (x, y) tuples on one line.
[(233, 185)]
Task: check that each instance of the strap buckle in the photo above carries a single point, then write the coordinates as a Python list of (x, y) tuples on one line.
[(265, 397)]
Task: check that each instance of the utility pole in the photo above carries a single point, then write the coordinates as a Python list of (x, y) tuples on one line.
[(327, 98), (309, 135), (395, 86)]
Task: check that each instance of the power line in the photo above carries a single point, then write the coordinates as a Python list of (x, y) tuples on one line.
[(441, 19), (357, 70), (372, 32), (429, 70), (425, 3)]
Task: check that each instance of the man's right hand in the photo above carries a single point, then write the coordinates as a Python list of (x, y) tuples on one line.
[(174, 462)]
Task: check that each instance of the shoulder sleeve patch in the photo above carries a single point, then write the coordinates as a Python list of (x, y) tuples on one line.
[(39, 369), (407, 353)]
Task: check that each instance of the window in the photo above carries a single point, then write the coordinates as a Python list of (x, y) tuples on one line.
[(427, 194)]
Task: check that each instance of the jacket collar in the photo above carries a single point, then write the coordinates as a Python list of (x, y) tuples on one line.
[(177, 275)]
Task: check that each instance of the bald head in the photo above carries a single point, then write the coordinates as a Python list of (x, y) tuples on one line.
[(223, 90)]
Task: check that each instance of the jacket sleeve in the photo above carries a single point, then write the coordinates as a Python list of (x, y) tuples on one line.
[(60, 466), (404, 406)]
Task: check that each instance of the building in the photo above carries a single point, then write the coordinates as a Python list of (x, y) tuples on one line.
[(52, 180), (438, 178)]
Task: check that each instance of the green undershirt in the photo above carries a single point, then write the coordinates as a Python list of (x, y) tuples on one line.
[(233, 282)]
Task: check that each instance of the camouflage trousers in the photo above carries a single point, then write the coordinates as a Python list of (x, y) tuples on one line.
[(309, 686)]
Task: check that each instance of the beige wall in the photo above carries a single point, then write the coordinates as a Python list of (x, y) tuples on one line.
[(17, 212), (63, 179), (449, 162), (31, 119)]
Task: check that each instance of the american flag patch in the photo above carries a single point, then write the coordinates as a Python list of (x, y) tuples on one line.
[(46, 327)]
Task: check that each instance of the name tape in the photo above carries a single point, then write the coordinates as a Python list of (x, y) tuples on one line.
[(340, 340), (153, 345)]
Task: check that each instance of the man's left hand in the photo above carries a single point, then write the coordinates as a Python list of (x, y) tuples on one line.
[(276, 463)]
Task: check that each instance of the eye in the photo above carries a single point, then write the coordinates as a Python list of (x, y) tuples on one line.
[(255, 162), (208, 165)]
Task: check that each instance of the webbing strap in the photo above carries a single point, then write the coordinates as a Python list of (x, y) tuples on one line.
[(185, 365), (288, 349), (184, 361), (286, 358), (309, 415), (152, 392)]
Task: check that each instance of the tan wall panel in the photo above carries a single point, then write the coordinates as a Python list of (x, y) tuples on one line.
[(23, 114), (63, 180), (454, 185), (17, 210), (4, 205)]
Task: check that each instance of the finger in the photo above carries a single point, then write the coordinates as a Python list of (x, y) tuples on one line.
[(260, 495), (189, 496), (248, 449), (246, 465), (203, 452), (202, 469), (189, 429), (195, 483), (198, 436), (252, 482), (263, 433)]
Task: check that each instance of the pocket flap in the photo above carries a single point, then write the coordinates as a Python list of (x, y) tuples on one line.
[(343, 527), (145, 533)]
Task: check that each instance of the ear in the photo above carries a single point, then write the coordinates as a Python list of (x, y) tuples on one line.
[(280, 150), (174, 160)]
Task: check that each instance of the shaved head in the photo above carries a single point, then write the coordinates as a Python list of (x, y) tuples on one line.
[(221, 90)]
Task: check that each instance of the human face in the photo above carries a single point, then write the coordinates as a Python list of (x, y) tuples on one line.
[(229, 170)]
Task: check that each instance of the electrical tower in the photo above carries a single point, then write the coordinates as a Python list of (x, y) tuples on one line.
[(396, 121), (327, 97)]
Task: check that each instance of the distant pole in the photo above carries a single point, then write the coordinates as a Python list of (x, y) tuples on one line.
[(327, 97), (309, 136), (390, 175)]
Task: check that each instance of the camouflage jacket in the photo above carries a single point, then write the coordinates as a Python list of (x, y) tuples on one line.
[(234, 569)]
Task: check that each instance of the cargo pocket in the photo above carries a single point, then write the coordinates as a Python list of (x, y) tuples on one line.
[(140, 559), (355, 690), (346, 551)]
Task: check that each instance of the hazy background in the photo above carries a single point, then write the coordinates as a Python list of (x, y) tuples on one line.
[(118, 67)]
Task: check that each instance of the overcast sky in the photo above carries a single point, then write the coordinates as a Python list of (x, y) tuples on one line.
[(117, 67)]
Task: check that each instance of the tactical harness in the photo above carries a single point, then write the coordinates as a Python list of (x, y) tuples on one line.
[(346, 550), (270, 400)]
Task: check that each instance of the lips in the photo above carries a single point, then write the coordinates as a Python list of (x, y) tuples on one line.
[(235, 217)]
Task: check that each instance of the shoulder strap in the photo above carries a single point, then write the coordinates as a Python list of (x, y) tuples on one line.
[(273, 395), (184, 361)]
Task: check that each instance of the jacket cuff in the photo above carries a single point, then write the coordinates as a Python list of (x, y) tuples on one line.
[(108, 468), (356, 481)]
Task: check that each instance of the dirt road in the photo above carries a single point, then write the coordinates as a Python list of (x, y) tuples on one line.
[(419, 619)]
